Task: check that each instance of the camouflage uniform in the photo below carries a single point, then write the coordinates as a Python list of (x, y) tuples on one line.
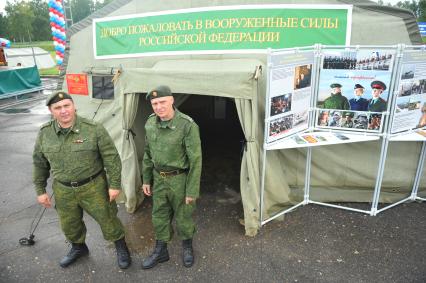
[(172, 145), (80, 153), (336, 101)]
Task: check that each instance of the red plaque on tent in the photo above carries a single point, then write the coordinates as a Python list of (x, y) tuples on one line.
[(77, 84)]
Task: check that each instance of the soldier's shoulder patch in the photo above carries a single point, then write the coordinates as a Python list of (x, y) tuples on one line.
[(186, 117), (46, 124)]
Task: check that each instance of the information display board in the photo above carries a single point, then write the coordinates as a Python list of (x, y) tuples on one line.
[(353, 89), (290, 93), (410, 106)]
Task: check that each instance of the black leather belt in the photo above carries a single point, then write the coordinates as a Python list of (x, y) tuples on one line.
[(170, 173), (81, 182)]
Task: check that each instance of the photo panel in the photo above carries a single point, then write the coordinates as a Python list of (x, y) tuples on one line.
[(353, 84), (290, 93), (410, 106), (346, 120)]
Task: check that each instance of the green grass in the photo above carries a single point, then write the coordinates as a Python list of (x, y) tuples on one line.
[(46, 45), (424, 39)]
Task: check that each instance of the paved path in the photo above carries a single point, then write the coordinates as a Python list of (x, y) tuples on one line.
[(313, 244)]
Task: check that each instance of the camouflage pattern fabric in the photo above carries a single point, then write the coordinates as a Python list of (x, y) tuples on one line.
[(336, 101), (169, 146), (75, 155), (94, 199)]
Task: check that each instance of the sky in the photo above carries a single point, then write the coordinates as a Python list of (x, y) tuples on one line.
[(3, 3)]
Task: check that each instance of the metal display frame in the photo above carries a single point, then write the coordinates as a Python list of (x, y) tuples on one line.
[(384, 135), (413, 195)]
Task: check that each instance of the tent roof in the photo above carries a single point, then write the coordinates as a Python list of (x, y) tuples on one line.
[(236, 74)]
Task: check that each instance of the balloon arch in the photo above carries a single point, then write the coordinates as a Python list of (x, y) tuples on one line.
[(57, 24)]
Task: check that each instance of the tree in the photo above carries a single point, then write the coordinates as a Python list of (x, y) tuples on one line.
[(418, 8), (3, 26), (20, 19), (81, 9), (41, 21)]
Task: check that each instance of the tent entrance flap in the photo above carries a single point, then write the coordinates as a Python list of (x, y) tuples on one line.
[(222, 143)]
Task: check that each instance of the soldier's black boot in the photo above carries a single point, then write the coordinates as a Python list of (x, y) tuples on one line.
[(123, 255), (77, 251), (160, 254), (188, 253)]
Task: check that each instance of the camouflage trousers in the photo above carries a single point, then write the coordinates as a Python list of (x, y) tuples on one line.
[(168, 202), (94, 199)]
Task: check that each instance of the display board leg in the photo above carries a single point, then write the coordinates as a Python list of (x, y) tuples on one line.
[(419, 173), (307, 176), (379, 177), (262, 187)]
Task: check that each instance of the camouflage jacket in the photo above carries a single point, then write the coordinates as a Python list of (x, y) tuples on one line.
[(173, 145), (85, 150), (336, 101)]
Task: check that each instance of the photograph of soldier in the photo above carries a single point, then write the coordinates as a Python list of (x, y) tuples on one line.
[(302, 76), (336, 100), (280, 104), (323, 117), (375, 61), (376, 103), (335, 119), (361, 60), (346, 60), (375, 121), (86, 169), (360, 121), (171, 171), (358, 103), (280, 125), (347, 120)]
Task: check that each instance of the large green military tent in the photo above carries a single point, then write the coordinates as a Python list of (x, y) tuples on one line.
[(339, 173)]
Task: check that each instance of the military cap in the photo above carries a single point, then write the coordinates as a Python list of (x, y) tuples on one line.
[(333, 85), (350, 114), (378, 85), (159, 91), (375, 115), (56, 97), (358, 86)]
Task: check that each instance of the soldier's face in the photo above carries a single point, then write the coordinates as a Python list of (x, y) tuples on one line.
[(64, 112), (163, 107), (376, 92), (359, 91), (335, 90)]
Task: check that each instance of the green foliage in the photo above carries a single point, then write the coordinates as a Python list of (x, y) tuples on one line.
[(418, 8), (28, 20)]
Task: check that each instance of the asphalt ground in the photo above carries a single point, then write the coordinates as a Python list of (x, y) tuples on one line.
[(312, 244)]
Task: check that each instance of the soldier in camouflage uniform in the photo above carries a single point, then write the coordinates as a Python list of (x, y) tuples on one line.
[(172, 164), (336, 100), (77, 152)]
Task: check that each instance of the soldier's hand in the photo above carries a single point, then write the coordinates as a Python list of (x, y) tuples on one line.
[(146, 189), (113, 194), (44, 200), (189, 200)]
